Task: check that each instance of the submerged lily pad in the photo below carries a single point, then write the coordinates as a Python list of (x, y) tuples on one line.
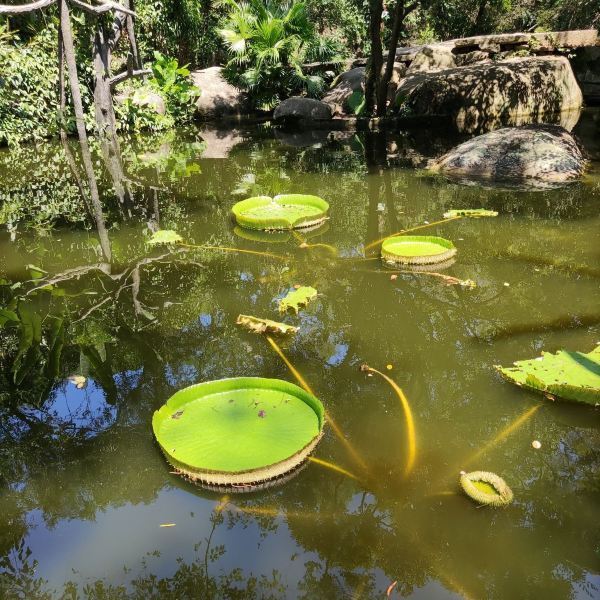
[(486, 488), (164, 236), (244, 432), (258, 325), (470, 212), (417, 249), (287, 211), (297, 298), (572, 376)]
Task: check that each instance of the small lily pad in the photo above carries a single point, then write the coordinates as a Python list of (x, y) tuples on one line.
[(470, 212), (486, 488), (164, 236), (297, 298), (573, 376), (286, 211), (258, 325), (417, 249)]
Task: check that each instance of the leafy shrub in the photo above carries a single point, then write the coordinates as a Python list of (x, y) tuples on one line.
[(268, 43)]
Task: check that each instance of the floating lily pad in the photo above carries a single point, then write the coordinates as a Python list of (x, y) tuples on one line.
[(571, 376), (297, 298), (470, 212), (417, 250), (287, 211), (486, 488), (258, 325), (164, 236), (245, 432)]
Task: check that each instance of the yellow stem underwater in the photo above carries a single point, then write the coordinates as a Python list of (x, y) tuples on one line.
[(403, 231), (338, 432), (228, 249), (410, 423), (332, 466)]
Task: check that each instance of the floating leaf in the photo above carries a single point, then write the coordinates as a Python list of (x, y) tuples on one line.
[(572, 376), (257, 325), (416, 249), (469, 212), (164, 236), (287, 211), (486, 488), (79, 381), (297, 298), (219, 441), (167, 524)]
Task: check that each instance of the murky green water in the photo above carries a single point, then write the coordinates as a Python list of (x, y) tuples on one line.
[(84, 489)]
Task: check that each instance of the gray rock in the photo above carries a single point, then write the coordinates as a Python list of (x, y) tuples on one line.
[(343, 87), (536, 155), (431, 59), (486, 96), (218, 98), (302, 109), (471, 58)]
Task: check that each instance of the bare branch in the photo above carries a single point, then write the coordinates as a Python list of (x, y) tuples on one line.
[(121, 77), (24, 8)]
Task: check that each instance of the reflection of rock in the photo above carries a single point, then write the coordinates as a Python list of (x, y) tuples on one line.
[(533, 155), (485, 96), (301, 138), (302, 109), (431, 59), (217, 97), (219, 142), (586, 66)]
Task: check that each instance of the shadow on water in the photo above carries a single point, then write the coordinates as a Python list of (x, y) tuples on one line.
[(89, 348)]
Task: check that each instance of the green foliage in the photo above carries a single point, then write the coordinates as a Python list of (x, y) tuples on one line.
[(572, 376), (268, 42)]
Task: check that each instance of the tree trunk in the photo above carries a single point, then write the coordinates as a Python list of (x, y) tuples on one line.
[(376, 61), (86, 157)]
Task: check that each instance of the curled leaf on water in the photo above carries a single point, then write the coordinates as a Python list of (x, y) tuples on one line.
[(257, 325), (470, 212), (568, 375), (486, 488), (297, 298), (164, 236), (79, 381)]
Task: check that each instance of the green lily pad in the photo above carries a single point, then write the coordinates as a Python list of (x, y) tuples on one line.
[(470, 212), (287, 211), (241, 432), (571, 376), (417, 249), (486, 488), (164, 236), (297, 298)]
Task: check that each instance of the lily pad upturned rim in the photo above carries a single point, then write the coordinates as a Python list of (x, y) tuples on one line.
[(446, 252), (502, 497), (242, 479), (240, 212)]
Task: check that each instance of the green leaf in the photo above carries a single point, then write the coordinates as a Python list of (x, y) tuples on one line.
[(164, 236), (356, 102), (568, 375), (469, 212), (258, 325), (416, 249), (297, 298), (238, 431)]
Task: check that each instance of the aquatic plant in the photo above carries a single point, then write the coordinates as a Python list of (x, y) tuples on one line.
[(568, 375), (245, 432), (417, 249), (297, 298), (486, 488), (286, 211), (257, 325), (469, 212)]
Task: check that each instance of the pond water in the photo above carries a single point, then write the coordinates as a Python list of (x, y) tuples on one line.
[(88, 505)]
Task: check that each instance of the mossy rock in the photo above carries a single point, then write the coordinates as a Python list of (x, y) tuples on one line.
[(486, 488), (417, 250), (241, 434), (286, 211)]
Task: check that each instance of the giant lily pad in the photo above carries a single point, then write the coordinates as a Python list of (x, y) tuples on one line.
[(287, 211), (416, 250), (486, 488), (572, 376), (245, 432)]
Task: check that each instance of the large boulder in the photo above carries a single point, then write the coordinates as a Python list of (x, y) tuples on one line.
[(537, 155), (486, 96), (431, 59), (343, 87), (218, 98), (298, 108)]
